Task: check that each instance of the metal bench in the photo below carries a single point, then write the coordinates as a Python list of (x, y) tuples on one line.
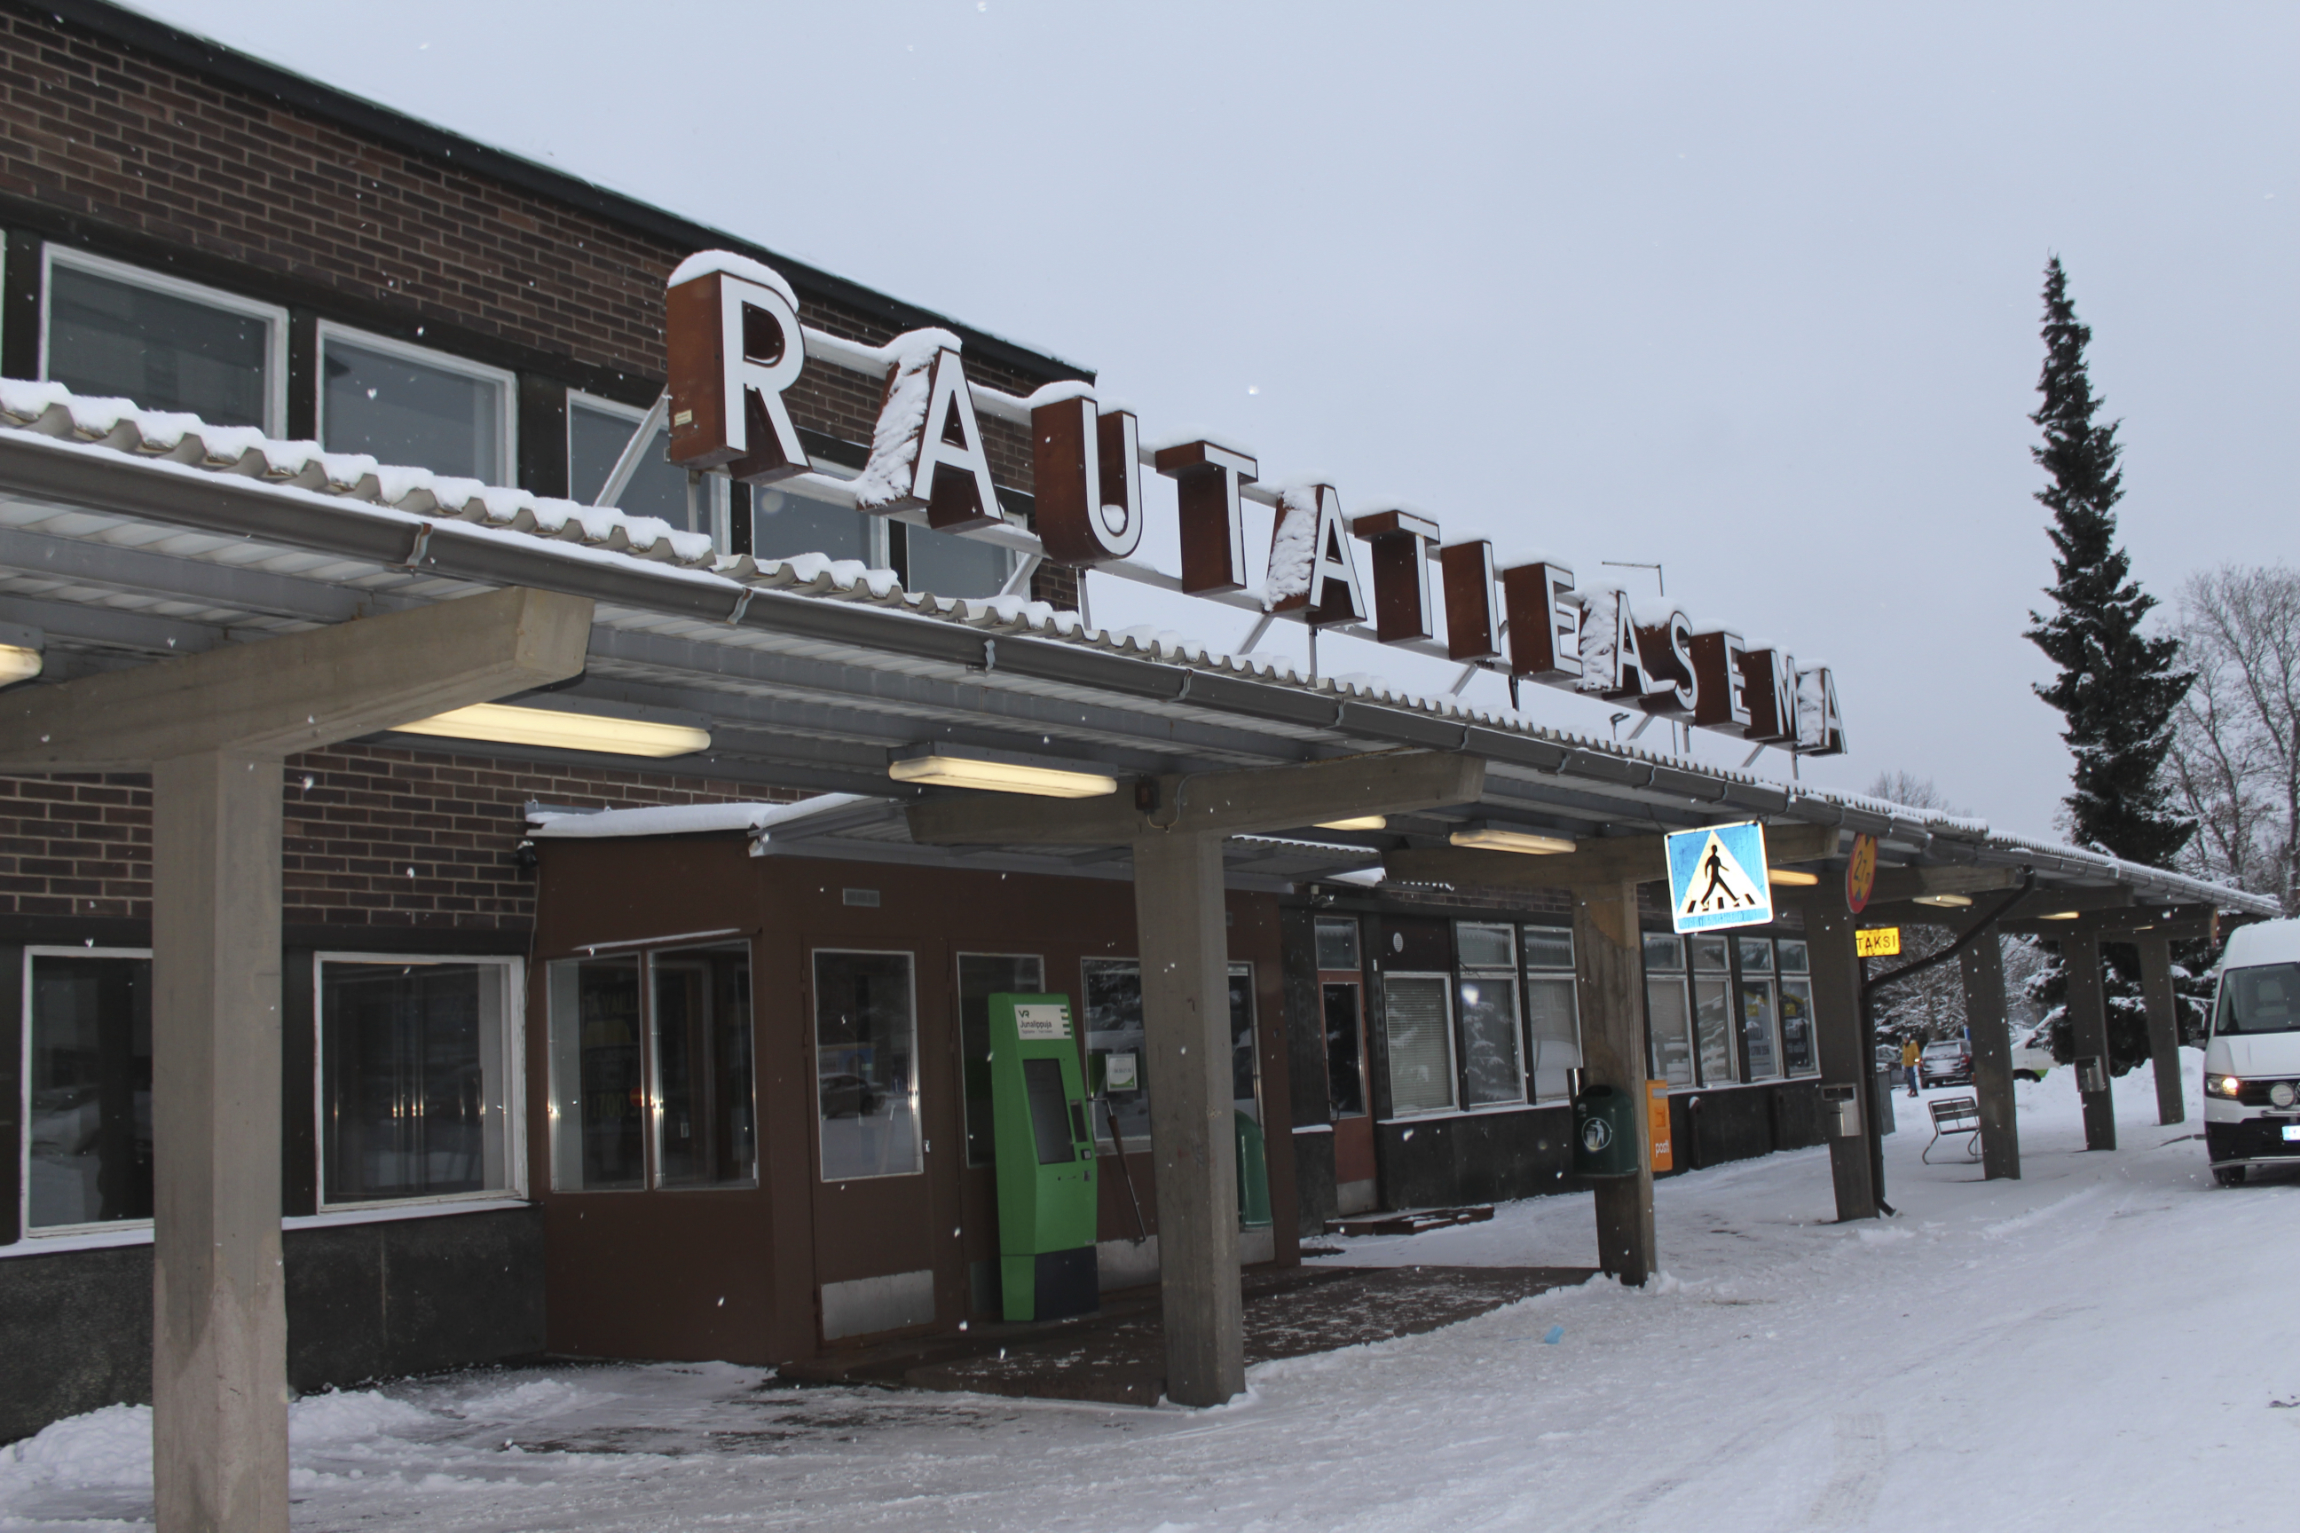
[(1955, 1115)]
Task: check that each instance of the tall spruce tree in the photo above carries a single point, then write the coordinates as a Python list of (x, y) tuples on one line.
[(2118, 687)]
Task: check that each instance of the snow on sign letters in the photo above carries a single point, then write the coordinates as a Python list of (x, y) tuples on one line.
[(1717, 878), (734, 345), (1049, 1024)]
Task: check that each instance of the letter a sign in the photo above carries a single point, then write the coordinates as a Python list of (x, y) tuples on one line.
[(1717, 878)]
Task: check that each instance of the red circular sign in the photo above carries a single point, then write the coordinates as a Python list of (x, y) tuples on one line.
[(1861, 874)]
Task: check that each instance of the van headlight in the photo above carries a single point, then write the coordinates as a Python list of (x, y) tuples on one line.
[(2222, 1085)]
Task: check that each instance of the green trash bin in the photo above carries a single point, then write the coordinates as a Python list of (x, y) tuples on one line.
[(1604, 1132), (1253, 1176)]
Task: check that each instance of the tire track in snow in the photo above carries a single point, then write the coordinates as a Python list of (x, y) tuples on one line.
[(2036, 1216), (1861, 1462)]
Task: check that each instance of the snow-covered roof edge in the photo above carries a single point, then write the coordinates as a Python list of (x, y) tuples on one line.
[(354, 483)]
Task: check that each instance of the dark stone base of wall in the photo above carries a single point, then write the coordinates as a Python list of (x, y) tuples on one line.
[(1709, 1128), (364, 1302), (1496, 1156), (1476, 1157)]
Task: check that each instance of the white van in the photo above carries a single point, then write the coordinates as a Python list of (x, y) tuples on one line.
[(2252, 1063)]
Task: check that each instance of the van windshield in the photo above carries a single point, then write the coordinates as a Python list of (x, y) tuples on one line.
[(2261, 1000)]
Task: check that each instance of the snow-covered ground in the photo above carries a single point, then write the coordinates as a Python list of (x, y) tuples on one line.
[(2112, 1342)]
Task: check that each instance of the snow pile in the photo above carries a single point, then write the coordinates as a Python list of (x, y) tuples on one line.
[(704, 262), (886, 479), (1293, 546), (2099, 1345)]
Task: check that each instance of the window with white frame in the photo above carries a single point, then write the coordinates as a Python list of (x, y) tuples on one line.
[(948, 565), (406, 404), (598, 433), (1668, 1021), (787, 521), (1800, 1045), (1760, 1040), (1712, 1010), (88, 1084), (1552, 1011), (111, 329), (418, 1078), (1485, 995), (652, 1080), (1417, 1027)]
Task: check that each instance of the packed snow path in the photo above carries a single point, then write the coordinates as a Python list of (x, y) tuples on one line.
[(2111, 1342)]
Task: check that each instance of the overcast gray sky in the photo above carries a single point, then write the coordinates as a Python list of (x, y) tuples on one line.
[(1749, 291)]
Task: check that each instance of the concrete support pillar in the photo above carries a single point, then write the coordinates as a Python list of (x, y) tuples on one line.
[(1983, 964), (1178, 914), (2088, 1030), (1846, 1058), (219, 1332), (1609, 972), (2163, 1023)]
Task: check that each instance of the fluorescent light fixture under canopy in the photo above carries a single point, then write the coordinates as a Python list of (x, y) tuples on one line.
[(20, 657), (1790, 878), (1500, 838), (1943, 901), (941, 768), (507, 724), (1357, 822)]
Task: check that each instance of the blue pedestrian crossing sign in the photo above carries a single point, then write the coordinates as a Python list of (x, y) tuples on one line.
[(1717, 878)]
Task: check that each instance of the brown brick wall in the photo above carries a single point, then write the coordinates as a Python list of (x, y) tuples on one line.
[(90, 129), (374, 837)]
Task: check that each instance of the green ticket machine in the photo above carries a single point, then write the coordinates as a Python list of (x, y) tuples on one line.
[(1045, 1149)]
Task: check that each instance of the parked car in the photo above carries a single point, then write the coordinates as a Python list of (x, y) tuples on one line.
[(1889, 1057), (2032, 1054), (1946, 1063)]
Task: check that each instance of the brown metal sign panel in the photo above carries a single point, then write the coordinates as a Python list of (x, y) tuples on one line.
[(1471, 631), (1207, 477), (1087, 473), (1401, 543), (733, 347)]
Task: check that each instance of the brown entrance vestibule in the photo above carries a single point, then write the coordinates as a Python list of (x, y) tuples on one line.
[(872, 1212)]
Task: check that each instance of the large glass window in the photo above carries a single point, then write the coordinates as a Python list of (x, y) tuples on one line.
[(786, 522), (1759, 1043), (1493, 1067), (866, 1065), (1340, 995), (1553, 1021), (417, 1063), (167, 344), (410, 405), (1712, 1010), (598, 430), (705, 1131), (1114, 1047), (948, 565), (1417, 1024), (652, 1079), (981, 976), (1800, 1046), (1245, 1056), (598, 1085), (1668, 1021), (89, 1046)]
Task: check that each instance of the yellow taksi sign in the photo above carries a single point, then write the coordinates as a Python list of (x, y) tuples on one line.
[(1877, 942)]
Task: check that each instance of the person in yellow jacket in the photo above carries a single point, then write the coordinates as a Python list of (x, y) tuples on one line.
[(1911, 1052)]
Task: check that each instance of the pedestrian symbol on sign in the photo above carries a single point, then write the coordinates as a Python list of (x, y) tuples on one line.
[(1717, 877)]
